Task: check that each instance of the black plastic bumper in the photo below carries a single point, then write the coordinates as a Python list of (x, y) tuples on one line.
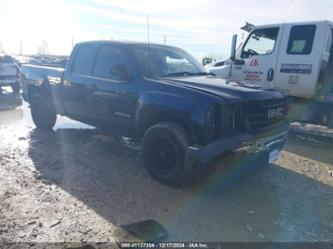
[(244, 141)]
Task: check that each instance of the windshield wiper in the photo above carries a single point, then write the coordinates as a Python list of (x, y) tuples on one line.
[(184, 73)]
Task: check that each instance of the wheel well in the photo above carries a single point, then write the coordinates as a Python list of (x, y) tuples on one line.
[(42, 89), (162, 117)]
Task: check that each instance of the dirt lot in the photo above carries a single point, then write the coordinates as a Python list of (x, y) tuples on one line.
[(75, 184)]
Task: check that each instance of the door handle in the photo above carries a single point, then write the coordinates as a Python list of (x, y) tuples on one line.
[(270, 74)]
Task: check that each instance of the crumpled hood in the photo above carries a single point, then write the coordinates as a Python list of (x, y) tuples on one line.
[(232, 92)]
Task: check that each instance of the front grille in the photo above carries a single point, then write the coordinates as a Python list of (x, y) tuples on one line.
[(230, 119), (250, 117), (261, 116)]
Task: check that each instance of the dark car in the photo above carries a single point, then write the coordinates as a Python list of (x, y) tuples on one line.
[(9, 73)]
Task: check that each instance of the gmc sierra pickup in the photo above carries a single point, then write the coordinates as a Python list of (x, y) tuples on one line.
[(162, 98)]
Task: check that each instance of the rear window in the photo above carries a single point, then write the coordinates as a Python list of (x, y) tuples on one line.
[(84, 59), (301, 39)]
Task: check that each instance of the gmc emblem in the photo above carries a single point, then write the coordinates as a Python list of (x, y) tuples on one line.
[(275, 113)]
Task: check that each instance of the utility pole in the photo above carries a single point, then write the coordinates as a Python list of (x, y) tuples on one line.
[(44, 47), (21, 48), (164, 39)]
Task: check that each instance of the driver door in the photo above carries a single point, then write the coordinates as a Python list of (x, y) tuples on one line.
[(256, 62)]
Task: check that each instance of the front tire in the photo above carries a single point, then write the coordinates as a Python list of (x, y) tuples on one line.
[(165, 154), (42, 111)]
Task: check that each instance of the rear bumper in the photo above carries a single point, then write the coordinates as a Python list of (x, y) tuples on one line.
[(247, 142)]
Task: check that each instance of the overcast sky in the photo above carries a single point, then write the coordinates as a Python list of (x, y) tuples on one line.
[(200, 26)]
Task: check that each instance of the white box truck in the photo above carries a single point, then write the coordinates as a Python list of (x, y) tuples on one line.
[(296, 58)]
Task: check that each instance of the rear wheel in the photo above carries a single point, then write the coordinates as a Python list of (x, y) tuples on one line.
[(42, 111), (165, 154)]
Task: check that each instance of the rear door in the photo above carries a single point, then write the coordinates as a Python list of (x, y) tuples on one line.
[(256, 62), (76, 91), (301, 58)]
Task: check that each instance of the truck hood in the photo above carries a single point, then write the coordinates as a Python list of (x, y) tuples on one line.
[(230, 91)]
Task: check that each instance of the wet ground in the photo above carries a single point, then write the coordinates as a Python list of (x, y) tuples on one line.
[(77, 184)]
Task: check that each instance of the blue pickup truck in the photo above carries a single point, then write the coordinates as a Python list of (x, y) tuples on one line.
[(162, 98)]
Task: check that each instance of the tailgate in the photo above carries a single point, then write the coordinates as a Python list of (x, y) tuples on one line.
[(8, 69)]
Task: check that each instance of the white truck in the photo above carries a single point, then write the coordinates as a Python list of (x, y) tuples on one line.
[(296, 58)]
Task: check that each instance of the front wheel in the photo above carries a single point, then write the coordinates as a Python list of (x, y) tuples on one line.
[(42, 111), (165, 154)]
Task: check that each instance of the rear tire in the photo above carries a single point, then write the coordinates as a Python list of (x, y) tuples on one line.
[(42, 111), (165, 154)]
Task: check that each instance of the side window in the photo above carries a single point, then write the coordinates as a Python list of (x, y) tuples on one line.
[(110, 63), (260, 42), (84, 59), (301, 39)]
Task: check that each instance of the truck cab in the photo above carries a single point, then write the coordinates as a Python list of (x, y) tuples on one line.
[(291, 57)]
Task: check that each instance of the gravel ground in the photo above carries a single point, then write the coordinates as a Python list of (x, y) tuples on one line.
[(77, 185)]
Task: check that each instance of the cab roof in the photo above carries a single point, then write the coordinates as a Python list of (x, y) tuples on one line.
[(125, 43), (318, 22)]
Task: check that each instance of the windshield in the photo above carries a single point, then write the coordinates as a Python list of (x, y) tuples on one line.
[(158, 61)]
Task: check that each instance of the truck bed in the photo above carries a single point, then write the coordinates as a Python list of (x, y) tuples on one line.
[(36, 75)]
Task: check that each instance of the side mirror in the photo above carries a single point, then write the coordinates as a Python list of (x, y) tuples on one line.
[(206, 61), (233, 47), (233, 52)]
